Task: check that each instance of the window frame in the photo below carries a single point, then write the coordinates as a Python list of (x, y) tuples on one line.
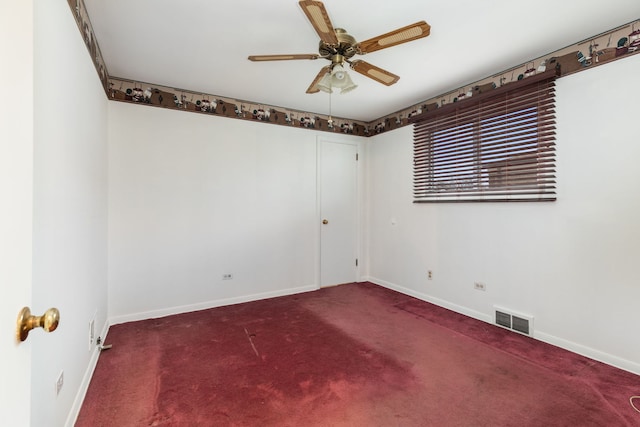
[(513, 124)]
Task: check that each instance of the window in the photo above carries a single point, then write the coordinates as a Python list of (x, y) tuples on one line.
[(496, 146)]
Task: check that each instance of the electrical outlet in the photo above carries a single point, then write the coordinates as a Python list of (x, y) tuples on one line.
[(430, 274), (92, 333), (59, 382), (480, 286), (227, 276)]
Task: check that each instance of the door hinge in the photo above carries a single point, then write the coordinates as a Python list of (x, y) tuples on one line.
[(356, 262), (356, 157)]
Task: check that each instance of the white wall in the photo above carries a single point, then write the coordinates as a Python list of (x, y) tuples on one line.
[(70, 211), (571, 263), (193, 197)]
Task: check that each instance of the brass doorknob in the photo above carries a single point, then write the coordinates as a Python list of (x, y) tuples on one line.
[(325, 221), (26, 322)]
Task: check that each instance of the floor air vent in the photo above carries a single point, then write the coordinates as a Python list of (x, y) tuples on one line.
[(514, 321)]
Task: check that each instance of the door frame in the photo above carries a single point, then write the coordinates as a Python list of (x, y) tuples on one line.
[(320, 140)]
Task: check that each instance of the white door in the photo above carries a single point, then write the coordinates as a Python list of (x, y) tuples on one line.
[(16, 206), (338, 194)]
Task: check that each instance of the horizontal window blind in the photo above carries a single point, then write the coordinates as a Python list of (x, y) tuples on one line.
[(497, 146)]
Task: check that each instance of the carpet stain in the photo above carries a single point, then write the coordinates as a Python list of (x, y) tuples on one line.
[(305, 365)]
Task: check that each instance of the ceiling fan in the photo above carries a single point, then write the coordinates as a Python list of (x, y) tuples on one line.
[(337, 46)]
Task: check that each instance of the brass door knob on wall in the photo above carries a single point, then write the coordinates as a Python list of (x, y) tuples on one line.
[(26, 322), (325, 221)]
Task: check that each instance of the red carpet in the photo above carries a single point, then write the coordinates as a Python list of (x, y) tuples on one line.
[(351, 355)]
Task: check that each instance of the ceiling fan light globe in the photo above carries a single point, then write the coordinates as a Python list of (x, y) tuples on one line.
[(346, 84), (348, 88), (338, 71), (325, 83)]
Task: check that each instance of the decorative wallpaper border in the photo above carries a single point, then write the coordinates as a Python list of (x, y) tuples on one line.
[(86, 31), (618, 43), (161, 96)]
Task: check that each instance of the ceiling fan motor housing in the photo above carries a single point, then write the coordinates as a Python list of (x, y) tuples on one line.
[(347, 47)]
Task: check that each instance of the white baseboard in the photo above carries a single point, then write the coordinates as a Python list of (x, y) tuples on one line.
[(437, 301), (152, 314), (591, 353), (72, 417)]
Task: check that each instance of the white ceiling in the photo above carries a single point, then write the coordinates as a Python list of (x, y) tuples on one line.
[(202, 45)]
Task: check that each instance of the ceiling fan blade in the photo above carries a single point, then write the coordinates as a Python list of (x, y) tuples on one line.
[(401, 35), (313, 88), (317, 15), (373, 72), (282, 57)]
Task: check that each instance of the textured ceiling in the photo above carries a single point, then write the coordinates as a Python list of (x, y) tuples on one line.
[(202, 45)]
